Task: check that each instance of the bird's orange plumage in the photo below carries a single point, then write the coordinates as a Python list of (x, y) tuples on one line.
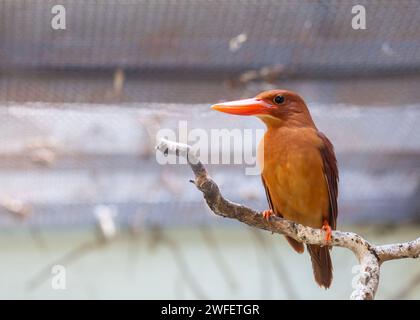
[(298, 167)]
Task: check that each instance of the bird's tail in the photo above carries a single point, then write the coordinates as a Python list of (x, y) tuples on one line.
[(321, 265)]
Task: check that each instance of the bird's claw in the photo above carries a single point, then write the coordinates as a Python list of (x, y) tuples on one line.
[(267, 214), (326, 227)]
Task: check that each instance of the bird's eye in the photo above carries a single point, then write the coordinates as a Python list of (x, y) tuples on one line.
[(279, 99)]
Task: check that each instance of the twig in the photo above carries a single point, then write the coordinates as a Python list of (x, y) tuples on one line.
[(106, 232), (280, 270), (218, 258), (69, 258), (179, 260), (369, 256)]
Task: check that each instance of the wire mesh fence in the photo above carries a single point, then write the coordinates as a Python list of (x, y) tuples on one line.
[(80, 109), (80, 106), (211, 39)]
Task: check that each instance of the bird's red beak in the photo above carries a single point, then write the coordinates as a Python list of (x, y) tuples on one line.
[(245, 107)]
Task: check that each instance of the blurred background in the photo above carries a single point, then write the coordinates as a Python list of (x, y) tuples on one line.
[(80, 109)]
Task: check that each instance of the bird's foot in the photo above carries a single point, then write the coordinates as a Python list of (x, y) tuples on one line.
[(326, 227), (267, 214)]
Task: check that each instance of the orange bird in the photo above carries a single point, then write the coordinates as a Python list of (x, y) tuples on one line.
[(298, 168)]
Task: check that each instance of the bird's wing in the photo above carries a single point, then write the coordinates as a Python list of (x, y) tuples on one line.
[(267, 193), (331, 177)]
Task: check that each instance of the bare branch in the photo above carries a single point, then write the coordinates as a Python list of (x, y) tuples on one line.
[(369, 256), (394, 251)]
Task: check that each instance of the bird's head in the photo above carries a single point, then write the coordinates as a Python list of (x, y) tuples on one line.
[(274, 107)]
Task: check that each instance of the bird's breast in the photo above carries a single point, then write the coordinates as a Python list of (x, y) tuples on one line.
[(292, 168)]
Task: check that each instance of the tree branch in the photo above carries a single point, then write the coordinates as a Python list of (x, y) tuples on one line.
[(369, 256)]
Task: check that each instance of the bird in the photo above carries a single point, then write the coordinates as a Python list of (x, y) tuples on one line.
[(298, 167)]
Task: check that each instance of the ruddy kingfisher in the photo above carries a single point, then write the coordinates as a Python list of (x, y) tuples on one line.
[(298, 169)]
